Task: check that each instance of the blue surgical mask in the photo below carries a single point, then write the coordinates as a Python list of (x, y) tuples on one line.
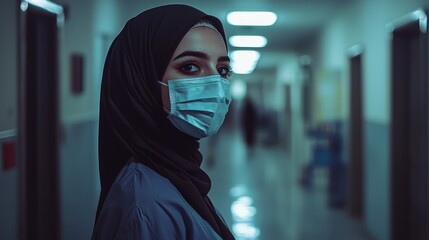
[(198, 105)]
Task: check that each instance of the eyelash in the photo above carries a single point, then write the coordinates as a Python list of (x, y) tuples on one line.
[(182, 67), (186, 64), (228, 71)]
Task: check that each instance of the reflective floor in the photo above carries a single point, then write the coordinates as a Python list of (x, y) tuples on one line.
[(260, 197)]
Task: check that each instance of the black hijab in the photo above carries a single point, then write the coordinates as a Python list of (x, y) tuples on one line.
[(132, 120)]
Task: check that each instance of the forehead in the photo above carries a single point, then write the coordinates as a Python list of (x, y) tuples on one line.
[(202, 39)]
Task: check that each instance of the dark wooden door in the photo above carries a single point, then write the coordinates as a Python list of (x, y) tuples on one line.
[(38, 145), (356, 164), (409, 128)]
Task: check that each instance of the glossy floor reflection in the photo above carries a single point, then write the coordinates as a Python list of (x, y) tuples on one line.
[(260, 197)]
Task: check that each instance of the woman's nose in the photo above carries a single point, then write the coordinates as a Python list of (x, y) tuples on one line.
[(211, 69)]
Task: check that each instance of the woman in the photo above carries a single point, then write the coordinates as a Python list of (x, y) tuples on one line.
[(164, 86)]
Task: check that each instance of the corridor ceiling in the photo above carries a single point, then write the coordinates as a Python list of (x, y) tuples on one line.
[(298, 20)]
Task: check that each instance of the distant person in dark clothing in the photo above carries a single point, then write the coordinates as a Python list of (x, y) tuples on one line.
[(249, 117)]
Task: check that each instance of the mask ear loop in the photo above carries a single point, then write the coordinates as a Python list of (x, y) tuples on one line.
[(165, 109), (162, 83)]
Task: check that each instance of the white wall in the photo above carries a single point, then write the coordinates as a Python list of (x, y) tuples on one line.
[(82, 32), (8, 116), (77, 37), (107, 25), (87, 21), (86, 24), (364, 23), (8, 65), (89, 29)]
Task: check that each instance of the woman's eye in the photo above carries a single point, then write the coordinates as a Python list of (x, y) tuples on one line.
[(224, 71), (190, 68)]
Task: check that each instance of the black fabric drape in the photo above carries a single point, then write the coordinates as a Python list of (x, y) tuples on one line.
[(132, 120)]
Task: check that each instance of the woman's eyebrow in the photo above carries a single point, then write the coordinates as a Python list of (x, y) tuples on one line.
[(201, 55), (192, 54), (224, 59)]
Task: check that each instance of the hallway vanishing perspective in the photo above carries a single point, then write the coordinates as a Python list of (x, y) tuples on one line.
[(260, 195), (326, 137)]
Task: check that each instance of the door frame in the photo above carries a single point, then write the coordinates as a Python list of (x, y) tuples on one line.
[(38, 154), (402, 129), (356, 164)]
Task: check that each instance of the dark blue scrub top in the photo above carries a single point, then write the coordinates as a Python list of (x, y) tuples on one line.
[(141, 204)]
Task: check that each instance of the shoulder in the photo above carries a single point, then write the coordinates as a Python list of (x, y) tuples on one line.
[(139, 187), (168, 213), (144, 202)]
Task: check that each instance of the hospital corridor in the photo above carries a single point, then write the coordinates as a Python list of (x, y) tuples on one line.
[(263, 197), (312, 125)]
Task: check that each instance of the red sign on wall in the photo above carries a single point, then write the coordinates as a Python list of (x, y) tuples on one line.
[(8, 149)]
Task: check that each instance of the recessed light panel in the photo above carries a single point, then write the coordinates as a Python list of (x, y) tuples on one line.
[(252, 18), (244, 61), (248, 41)]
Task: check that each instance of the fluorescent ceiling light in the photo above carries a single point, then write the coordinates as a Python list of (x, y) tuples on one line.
[(251, 18), (239, 68), (245, 55), (248, 41), (244, 61)]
